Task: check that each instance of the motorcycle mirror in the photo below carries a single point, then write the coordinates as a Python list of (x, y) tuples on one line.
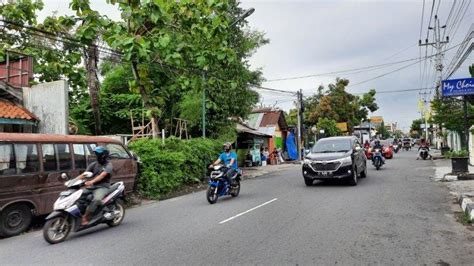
[(88, 174), (64, 177)]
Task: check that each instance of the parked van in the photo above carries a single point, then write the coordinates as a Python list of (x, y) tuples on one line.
[(31, 167)]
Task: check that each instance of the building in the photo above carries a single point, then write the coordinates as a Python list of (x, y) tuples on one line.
[(249, 142), (41, 108), (271, 122)]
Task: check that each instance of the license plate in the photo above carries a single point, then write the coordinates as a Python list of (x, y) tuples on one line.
[(324, 173)]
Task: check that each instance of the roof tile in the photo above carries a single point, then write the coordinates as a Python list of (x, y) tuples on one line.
[(10, 110)]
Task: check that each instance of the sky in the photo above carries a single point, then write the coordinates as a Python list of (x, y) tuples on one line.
[(320, 36)]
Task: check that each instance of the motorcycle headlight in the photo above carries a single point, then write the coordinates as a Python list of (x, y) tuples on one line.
[(346, 160)]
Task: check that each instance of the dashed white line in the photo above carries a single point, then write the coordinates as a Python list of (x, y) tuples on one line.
[(247, 211)]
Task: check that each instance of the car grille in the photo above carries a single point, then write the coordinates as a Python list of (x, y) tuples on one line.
[(323, 166)]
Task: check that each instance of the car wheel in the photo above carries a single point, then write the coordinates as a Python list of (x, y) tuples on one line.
[(353, 178), (15, 219), (308, 181), (363, 174)]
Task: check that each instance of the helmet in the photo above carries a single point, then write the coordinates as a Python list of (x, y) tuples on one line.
[(101, 153), (227, 146), (377, 142)]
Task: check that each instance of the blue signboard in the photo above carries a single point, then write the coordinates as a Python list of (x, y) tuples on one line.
[(458, 87)]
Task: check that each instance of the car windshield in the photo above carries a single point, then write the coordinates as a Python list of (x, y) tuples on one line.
[(332, 145)]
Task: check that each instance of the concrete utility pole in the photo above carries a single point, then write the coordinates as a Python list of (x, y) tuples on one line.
[(425, 96), (299, 107), (438, 44)]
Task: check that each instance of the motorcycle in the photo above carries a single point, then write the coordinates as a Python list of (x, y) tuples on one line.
[(407, 146), (218, 185), (71, 204), (377, 158), (424, 153), (396, 147)]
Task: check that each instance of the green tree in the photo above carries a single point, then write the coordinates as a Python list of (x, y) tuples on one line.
[(329, 126), (337, 104), (382, 130), (177, 48), (416, 127)]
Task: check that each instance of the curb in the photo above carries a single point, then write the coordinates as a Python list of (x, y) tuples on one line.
[(467, 205)]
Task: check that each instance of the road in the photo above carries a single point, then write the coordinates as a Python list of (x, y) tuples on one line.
[(395, 216)]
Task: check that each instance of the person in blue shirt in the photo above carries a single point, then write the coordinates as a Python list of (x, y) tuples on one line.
[(229, 159)]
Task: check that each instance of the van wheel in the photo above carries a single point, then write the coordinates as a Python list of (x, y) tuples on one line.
[(15, 219)]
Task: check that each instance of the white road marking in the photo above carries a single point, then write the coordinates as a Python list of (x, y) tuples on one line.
[(247, 211)]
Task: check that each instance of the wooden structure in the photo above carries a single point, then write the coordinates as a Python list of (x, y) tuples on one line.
[(142, 130), (181, 128)]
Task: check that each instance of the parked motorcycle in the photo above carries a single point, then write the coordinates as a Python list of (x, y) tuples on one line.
[(377, 158), (218, 185), (71, 204), (424, 153)]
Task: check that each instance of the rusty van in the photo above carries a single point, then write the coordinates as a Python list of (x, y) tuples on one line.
[(31, 167)]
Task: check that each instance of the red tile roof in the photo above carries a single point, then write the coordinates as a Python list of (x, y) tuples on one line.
[(10, 110)]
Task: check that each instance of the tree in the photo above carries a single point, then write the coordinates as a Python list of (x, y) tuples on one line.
[(176, 48), (292, 117), (338, 105), (416, 127), (329, 126), (382, 130)]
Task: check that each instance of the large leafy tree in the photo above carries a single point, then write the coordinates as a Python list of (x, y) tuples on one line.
[(177, 49), (335, 103)]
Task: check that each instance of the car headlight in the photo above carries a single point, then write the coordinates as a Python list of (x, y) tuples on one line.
[(346, 160), (306, 161)]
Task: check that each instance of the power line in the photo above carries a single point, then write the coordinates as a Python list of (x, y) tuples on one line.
[(344, 71)]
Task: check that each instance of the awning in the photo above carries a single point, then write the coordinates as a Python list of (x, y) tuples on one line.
[(11, 113), (243, 129)]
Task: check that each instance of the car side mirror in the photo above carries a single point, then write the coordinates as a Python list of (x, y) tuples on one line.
[(64, 177)]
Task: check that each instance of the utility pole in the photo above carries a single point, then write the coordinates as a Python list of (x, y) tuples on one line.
[(438, 44), (299, 105), (423, 111)]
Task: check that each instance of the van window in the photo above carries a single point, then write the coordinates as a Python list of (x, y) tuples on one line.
[(7, 161), (79, 156), (117, 151), (49, 157), (26, 157), (90, 153), (64, 156)]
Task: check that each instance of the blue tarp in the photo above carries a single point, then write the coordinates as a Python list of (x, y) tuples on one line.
[(291, 146)]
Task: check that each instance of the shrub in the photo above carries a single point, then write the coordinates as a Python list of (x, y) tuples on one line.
[(456, 154), (167, 166)]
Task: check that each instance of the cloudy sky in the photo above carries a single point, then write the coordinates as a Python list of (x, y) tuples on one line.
[(320, 36)]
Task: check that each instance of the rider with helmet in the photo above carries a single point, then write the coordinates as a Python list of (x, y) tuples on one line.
[(378, 145), (99, 183), (229, 159)]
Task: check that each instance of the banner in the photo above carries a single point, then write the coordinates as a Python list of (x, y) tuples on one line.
[(457, 87)]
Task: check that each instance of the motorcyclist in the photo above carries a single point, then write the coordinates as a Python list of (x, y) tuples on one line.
[(229, 159), (423, 144), (378, 145), (366, 144), (99, 183)]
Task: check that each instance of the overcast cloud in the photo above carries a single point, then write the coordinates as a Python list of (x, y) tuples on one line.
[(309, 37)]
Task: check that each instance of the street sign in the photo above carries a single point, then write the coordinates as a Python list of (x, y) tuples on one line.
[(342, 126), (458, 87)]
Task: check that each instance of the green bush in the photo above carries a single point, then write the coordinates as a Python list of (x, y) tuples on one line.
[(456, 154), (166, 167)]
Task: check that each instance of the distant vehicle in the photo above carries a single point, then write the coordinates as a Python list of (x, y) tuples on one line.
[(406, 142), (335, 158)]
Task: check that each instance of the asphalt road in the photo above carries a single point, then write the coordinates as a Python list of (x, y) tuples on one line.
[(395, 216)]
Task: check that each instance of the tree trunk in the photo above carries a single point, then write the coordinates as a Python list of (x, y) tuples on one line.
[(146, 99), (91, 58)]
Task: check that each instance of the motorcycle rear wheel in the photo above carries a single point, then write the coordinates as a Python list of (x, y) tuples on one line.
[(211, 196), (120, 216), (235, 191), (57, 229)]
